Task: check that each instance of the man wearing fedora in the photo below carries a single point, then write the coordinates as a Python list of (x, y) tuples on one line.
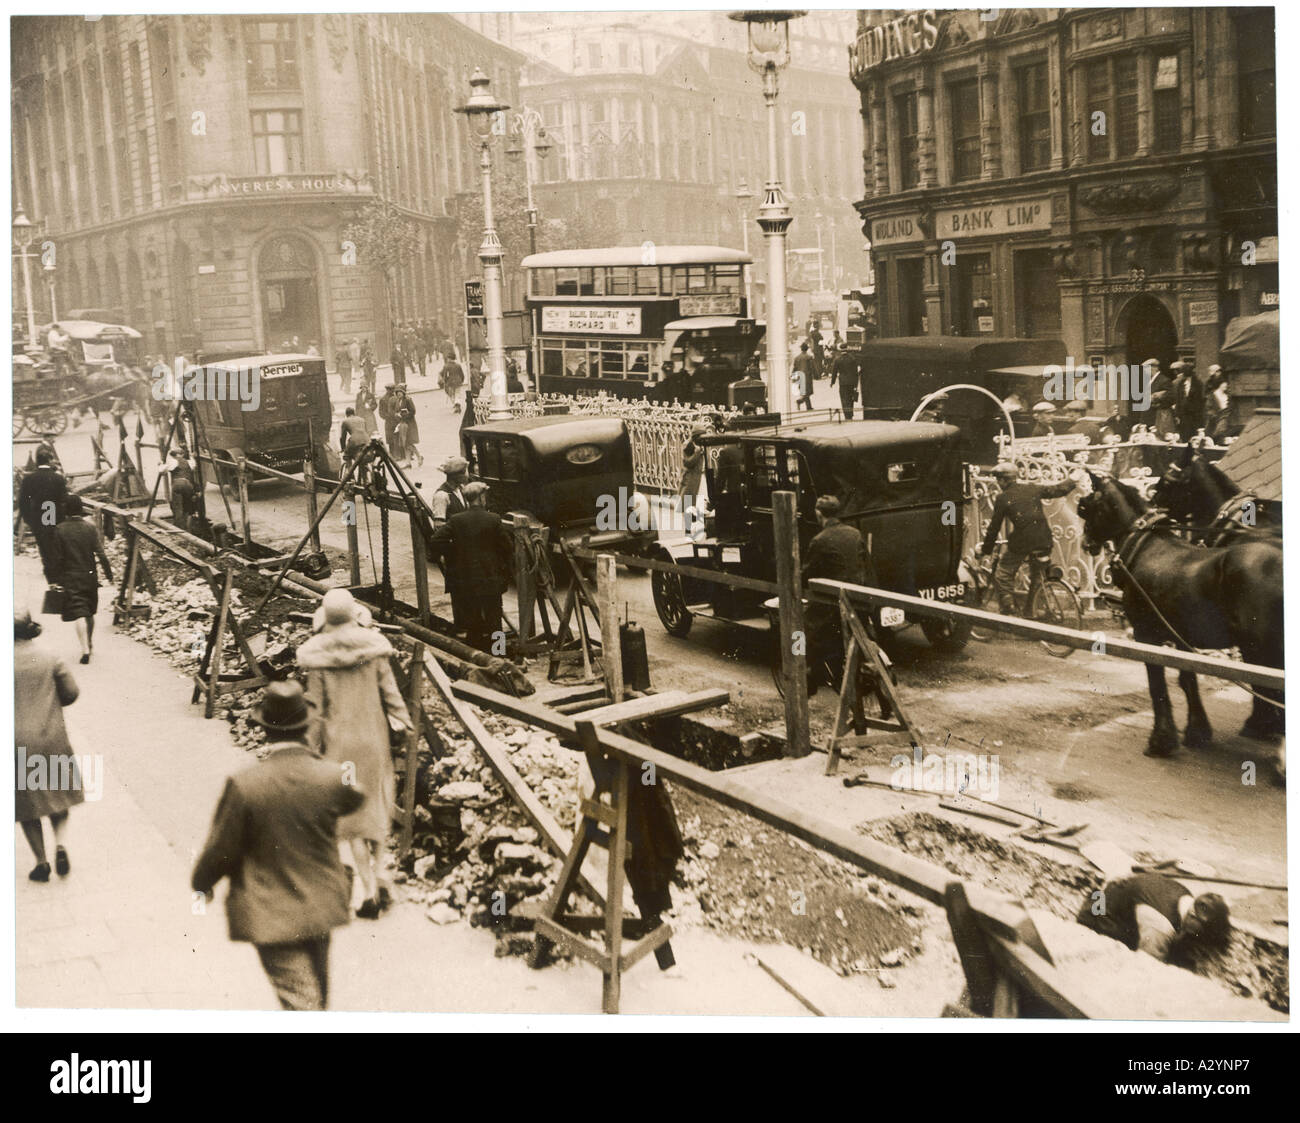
[(478, 557), (275, 837)]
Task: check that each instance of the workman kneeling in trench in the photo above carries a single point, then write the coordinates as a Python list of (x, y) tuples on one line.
[(1153, 913)]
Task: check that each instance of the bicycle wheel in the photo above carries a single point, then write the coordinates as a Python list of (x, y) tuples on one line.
[(1055, 603)]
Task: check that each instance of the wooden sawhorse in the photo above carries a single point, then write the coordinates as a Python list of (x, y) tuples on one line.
[(605, 825), (860, 649)]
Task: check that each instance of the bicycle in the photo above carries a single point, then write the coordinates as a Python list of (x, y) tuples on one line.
[(1042, 594)]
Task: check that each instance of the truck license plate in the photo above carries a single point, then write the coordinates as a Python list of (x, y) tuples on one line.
[(892, 618)]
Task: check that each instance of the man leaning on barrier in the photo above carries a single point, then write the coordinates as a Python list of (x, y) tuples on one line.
[(836, 553)]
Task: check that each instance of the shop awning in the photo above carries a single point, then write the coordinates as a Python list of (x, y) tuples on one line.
[(1252, 342)]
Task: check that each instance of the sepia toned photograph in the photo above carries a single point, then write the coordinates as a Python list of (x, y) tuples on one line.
[(760, 514)]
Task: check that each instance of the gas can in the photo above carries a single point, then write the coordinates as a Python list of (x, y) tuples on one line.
[(636, 660)]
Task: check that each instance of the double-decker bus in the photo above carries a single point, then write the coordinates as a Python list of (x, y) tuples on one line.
[(658, 322)]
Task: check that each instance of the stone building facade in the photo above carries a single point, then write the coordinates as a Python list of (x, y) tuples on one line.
[(197, 173), (1103, 176)]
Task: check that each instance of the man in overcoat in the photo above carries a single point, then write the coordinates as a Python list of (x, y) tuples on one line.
[(477, 549), (275, 836)]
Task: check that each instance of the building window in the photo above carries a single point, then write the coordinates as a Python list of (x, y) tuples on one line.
[(593, 56), (125, 192), (137, 78), (973, 297), (905, 127), (1038, 297), (1035, 117), (1167, 134), (146, 171), (1126, 107), (277, 141), (1112, 85), (964, 98), (1255, 73), (272, 54)]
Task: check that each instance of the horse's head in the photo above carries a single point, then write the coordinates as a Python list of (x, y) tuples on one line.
[(1173, 491), (1108, 512)]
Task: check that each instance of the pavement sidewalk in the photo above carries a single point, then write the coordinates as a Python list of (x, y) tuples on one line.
[(123, 931)]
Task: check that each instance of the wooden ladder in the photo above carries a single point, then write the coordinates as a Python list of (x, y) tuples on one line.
[(860, 649), (604, 825)]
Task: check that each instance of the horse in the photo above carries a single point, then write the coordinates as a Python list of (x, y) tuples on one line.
[(1213, 597), (1199, 493)]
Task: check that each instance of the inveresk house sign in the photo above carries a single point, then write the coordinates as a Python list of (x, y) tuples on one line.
[(614, 321)]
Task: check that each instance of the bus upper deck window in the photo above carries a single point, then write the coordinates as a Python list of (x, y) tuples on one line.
[(727, 278), (566, 282), (620, 281), (543, 282), (587, 282), (647, 281)]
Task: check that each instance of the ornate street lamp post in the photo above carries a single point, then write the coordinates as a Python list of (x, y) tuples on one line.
[(769, 52), (25, 232), (529, 133), (484, 112), (743, 196)]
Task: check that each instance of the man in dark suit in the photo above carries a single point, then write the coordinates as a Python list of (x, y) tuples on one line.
[(836, 553), (41, 498), (845, 369), (1189, 400), (275, 836), (477, 550)]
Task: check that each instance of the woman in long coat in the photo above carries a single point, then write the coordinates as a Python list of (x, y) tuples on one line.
[(408, 427), (77, 547), (47, 779), (351, 682)]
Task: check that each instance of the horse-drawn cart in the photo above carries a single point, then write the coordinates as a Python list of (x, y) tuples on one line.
[(45, 393), (41, 397)]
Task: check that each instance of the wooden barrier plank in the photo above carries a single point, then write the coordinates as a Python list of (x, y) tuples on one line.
[(733, 580), (1115, 646), (668, 704)]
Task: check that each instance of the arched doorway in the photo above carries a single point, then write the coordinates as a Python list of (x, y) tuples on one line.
[(1148, 331), (286, 269)]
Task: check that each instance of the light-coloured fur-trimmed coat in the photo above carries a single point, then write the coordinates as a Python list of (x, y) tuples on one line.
[(350, 679)]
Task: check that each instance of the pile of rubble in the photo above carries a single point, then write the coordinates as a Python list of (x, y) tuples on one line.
[(474, 856)]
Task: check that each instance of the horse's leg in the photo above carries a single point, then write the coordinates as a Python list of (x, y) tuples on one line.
[(1164, 734), (1197, 735)]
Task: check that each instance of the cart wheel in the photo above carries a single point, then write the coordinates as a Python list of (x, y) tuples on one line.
[(670, 600), (54, 420)]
